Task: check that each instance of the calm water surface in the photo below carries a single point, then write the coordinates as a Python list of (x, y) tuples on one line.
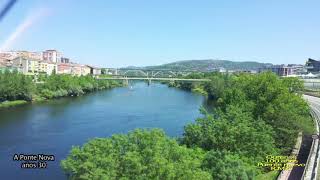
[(53, 127)]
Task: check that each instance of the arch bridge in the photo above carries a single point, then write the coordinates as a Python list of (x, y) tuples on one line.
[(128, 72), (150, 79)]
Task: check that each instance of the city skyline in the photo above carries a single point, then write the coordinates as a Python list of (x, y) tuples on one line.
[(120, 34)]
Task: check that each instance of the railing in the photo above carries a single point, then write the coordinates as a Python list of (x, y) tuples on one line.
[(284, 174), (311, 168)]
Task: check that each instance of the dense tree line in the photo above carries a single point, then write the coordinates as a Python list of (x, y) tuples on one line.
[(16, 86), (275, 101), (67, 85), (253, 116)]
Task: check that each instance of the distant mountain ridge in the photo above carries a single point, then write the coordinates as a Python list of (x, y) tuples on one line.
[(210, 65)]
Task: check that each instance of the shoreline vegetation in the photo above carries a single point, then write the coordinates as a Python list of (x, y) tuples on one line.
[(7, 104), (17, 89), (253, 116)]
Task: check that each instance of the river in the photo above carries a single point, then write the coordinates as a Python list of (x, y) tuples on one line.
[(53, 127)]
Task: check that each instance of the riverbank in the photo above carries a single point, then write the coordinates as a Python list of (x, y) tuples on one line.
[(17, 88), (8, 104), (38, 98), (197, 88)]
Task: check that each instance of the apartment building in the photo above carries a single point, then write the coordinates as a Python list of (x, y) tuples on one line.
[(95, 70), (64, 68), (280, 70), (85, 70), (26, 54), (76, 69), (48, 62), (27, 65), (35, 55), (52, 56), (8, 54), (47, 67), (73, 69), (51, 68), (65, 60)]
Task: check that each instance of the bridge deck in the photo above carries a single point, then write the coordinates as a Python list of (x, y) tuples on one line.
[(154, 79)]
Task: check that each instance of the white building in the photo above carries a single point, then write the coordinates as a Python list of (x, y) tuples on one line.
[(298, 69), (52, 56), (34, 66), (51, 68), (95, 70), (26, 65)]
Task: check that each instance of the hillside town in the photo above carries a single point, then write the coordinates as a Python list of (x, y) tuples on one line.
[(43, 62), (53, 61)]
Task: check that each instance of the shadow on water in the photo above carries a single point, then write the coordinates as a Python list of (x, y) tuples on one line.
[(209, 105), (53, 108)]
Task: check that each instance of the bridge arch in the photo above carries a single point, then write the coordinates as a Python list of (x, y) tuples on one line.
[(136, 72)]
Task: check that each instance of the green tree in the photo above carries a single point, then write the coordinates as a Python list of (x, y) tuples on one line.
[(227, 165), (294, 84), (15, 86), (266, 97), (67, 85), (141, 154), (233, 131)]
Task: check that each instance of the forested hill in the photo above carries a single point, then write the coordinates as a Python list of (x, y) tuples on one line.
[(209, 65)]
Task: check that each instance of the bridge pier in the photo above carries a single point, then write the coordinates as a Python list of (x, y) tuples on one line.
[(149, 81), (126, 81)]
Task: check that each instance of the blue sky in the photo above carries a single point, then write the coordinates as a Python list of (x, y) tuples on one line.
[(117, 33)]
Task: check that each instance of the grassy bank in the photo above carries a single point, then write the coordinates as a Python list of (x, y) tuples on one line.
[(269, 175), (197, 88), (8, 104), (16, 88)]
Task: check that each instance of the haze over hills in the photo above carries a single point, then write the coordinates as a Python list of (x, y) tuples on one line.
[(208, 65)]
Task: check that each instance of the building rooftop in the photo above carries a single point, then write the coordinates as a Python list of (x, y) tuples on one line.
[(51, 50), (309, 59), (93, 67), (27, 58)]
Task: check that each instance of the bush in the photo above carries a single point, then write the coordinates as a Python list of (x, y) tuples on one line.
[(226, 165), (46, 93), (234, 131), (66, 85), (140, 154), (15, 86)]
